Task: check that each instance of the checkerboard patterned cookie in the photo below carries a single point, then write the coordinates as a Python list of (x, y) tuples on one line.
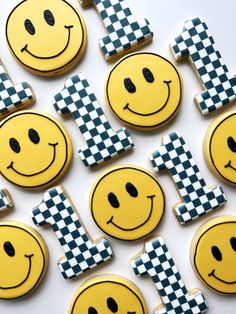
[(124, 30), (5, 200), (156, 261), (81, 254), (13, 97), (175, 156), (78, 99), (196, 43)]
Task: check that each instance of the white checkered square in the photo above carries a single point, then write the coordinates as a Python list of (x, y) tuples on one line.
[(167, 279), (124, 31), (12, 96), (81, 254), (198, 198), (5, 200), (103, 143), (196, 43)]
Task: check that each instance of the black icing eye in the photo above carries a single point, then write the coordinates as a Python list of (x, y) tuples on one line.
[(112, 305), (216, 253), (33, 136), (113, 200), (49, 18), (29, 27), (233, 243), (148, 75), (129, 85), (131, 189), (14, 144), (9, 249), (92, 310), (231, 144)]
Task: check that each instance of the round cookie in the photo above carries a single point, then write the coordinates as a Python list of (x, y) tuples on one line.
[(127, 202), (24, 259), (46, 37), (108, 294), (35, 149), (144, 90), (220, 147), (213, 254)]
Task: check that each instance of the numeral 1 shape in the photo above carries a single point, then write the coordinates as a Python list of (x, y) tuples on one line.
[(198, 199), (156, 262), (81, 254), (196, 43), (13, 97), (78, 99), (124, 31)]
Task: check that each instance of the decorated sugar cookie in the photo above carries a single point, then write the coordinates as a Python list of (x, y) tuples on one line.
[(108, 294), (125, 32), (13, 96), (196, 44), (198, 199), (6, 201), (24, 259), (35, 149), (46, 37), (156, 262), (102, 143), (220, 147), (144, 90), (127, 202), (81, 252), (213, 254)]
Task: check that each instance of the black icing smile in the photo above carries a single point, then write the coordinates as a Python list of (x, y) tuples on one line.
[(143, 223), (25, 48), (227, 282), (154, 112), (228, 165), (11, 166), (27, 276)]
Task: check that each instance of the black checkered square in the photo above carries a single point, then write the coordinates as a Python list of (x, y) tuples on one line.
[(175, 156), (196, 42), (81, 254), (124, 30), (13, 96), (103, 143), (5, 200), (157, 262)]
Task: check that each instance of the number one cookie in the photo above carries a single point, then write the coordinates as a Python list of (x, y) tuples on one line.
[(5, 200), (125, 32), (196, 43), (12, 96), (157, 262), (81, 254), (175, 156), (78, 99)]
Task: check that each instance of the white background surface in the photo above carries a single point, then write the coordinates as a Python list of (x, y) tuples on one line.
[(167, 17)]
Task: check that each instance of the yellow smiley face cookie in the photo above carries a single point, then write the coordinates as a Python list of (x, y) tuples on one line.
[(24, 259), (220, 147), (144, 90), (35, 149), (127, 202), (106, 295), (214, 254), (47, 37)]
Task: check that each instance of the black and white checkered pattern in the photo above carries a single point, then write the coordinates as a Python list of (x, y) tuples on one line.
[(175, 156), (13, 96), (124, 30), (5, 200), (81, 254), (196, 42), (157, 262), (103, 143)]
